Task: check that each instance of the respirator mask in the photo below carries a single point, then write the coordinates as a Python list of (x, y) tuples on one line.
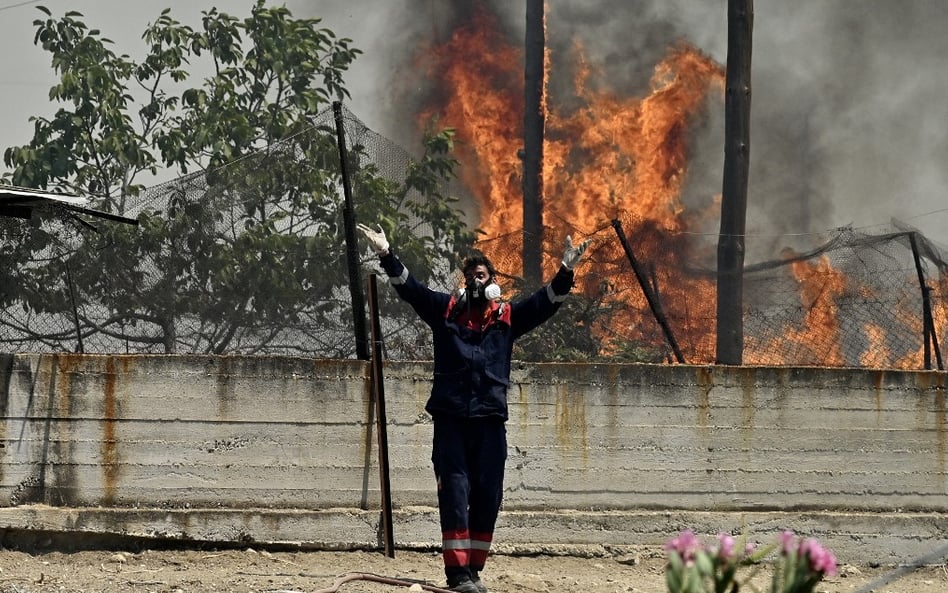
[(479, 291)]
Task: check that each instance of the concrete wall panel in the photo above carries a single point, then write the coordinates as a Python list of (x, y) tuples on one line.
[(266, 447)]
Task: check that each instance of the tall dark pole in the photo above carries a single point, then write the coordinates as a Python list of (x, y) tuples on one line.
[(737, 102), (533, 123), (352, 250)]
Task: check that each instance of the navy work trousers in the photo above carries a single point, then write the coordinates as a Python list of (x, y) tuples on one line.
[(468, 456)]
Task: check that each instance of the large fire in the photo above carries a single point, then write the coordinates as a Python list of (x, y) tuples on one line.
[(606, 157), (614, 154)]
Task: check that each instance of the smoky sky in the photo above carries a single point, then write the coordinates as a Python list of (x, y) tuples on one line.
[(848, 117)]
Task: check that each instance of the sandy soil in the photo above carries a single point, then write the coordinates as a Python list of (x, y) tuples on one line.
[(260, 571)]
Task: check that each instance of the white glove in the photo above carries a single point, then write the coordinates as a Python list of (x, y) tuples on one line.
[(573, 254), (376, 238)]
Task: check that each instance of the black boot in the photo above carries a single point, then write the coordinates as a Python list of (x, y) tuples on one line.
[(476, 579), (464, 584)]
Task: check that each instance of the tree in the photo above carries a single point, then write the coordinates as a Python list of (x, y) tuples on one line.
[(245, 252)]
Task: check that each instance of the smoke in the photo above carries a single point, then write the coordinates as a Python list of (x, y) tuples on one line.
[(847, 97), (847, 104), (387, 83)]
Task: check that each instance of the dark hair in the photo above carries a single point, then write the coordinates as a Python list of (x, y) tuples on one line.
[(479, 259)]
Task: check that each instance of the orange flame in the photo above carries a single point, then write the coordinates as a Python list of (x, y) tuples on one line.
[(482, 100), (633, 155), (633, 151)]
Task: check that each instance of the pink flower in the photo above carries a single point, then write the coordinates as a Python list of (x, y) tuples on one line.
[(786, 540), (686, 545), (725, 546), (821, 559)]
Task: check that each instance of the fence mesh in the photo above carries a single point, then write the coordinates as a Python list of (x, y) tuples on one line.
[(847, 299)]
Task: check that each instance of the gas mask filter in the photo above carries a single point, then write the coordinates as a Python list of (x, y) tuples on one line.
[(481, 291)]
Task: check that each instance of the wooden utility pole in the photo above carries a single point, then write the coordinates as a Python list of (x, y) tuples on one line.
[(533, 124), (731, 247)]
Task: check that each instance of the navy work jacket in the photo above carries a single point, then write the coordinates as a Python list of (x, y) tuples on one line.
[(472, 368)]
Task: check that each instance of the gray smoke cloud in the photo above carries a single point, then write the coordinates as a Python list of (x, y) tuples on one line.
[(848, 116), (386, 84)]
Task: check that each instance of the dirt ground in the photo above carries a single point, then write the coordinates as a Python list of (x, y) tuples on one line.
[(261, 571)]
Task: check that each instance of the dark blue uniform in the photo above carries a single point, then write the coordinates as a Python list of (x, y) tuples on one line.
[(472, 352)]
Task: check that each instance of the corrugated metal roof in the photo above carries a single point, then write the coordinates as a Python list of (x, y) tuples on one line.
[(20, 202)]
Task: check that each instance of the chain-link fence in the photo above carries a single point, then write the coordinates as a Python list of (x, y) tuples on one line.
[(847, 299), (251, 259)]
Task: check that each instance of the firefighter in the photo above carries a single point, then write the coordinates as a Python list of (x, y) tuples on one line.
[(473, 333)]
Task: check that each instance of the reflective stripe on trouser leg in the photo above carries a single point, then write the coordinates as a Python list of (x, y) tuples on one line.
[(456, 548), (480, 548)]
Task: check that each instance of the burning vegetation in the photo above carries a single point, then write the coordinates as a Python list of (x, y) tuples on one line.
[(612, 157)]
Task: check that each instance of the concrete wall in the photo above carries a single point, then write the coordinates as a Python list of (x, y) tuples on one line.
[(284, 450)]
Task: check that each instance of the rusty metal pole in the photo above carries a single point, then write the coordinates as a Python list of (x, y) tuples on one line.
[(381, 419), (731, 248), (80, 348)]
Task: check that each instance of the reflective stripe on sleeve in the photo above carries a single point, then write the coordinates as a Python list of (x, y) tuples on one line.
[(401, 278), (554, 298)]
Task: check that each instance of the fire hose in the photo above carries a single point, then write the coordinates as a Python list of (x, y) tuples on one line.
[(366, 576)]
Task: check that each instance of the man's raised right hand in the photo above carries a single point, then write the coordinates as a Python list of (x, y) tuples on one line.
[(376, 238)]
